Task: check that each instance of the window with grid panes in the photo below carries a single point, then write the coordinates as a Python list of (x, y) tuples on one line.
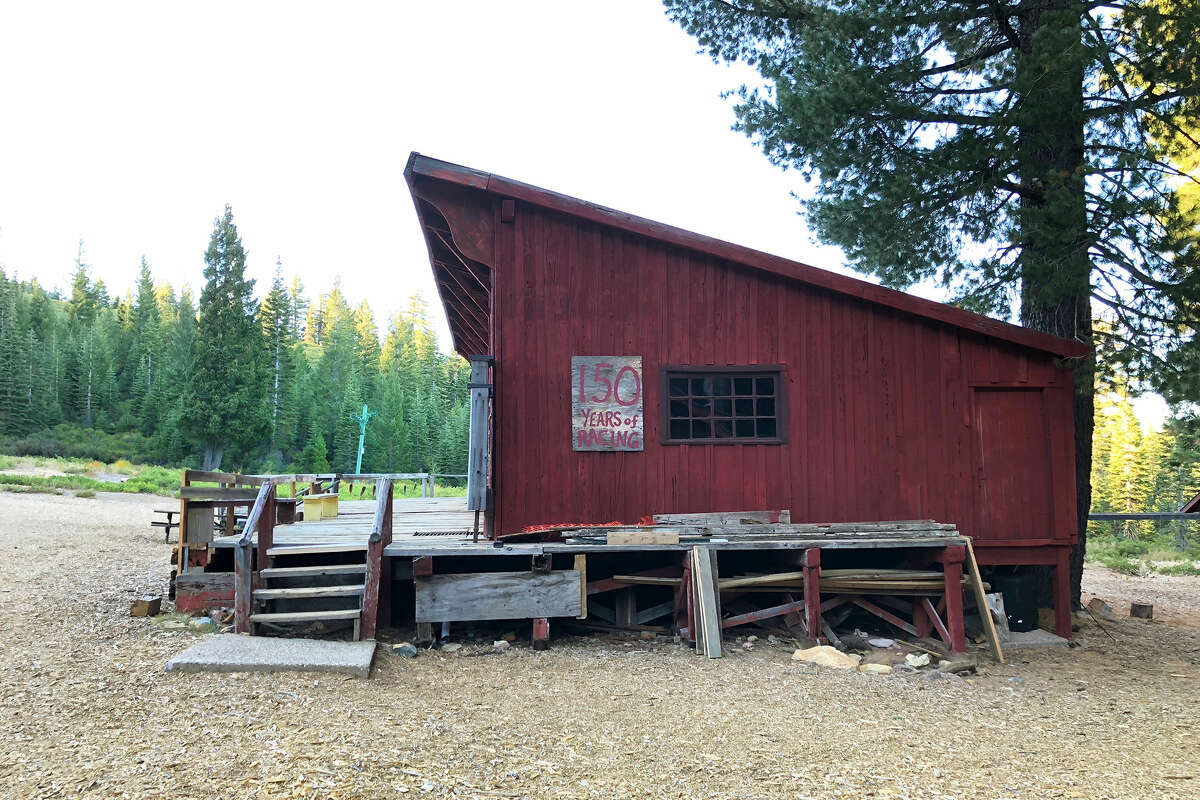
[(727, 405)]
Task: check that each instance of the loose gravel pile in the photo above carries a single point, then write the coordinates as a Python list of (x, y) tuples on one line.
[(86, 709)]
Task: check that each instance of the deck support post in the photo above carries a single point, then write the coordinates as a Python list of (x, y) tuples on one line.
[(242, 588), (812, 593), (1062, 592), (370, 598), (541, 633), (921, 620), (952, 563), (683, 605), (625, 608)]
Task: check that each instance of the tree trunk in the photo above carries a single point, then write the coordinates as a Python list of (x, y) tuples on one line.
[(212, 457), (1053, 221)]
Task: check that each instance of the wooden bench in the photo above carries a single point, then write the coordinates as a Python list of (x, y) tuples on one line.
[(167, 524), (320, 506)]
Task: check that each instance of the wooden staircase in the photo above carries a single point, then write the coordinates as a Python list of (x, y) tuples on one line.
[(306, 583), (325, 592)]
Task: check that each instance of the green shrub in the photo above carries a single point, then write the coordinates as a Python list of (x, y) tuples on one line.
[(76, 441), (1186, 568), (1123, 564)]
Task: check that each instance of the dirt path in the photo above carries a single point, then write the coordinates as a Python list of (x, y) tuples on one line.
[(86, 710), (1176, 599)]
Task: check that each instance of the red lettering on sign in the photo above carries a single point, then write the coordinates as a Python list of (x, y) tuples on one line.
[(637, 386)]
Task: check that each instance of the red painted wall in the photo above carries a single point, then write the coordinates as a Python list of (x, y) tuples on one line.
[(891, 416)]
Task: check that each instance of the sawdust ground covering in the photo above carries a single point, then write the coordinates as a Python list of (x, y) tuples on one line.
[(86, 710)]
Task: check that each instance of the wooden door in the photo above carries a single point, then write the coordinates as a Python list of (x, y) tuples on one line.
[(1013, 463)]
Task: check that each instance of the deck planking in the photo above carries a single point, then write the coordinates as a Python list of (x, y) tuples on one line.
[(442, 526)]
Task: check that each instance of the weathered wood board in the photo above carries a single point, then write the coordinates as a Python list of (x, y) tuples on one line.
[(199, 526), (726, 518), (498, 595), (197, 592), (607, 403), (646, 536)]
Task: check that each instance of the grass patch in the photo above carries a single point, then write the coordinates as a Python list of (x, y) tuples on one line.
[(149, 480), (17, 488), (7, 462), (1160, 554), (1177, 570), (1122, 564), (87, 494)]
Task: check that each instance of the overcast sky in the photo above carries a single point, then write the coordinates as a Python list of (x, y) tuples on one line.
[(131, 125)]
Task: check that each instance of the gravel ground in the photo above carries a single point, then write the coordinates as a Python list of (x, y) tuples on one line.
[(86, 710), (1176, 599)]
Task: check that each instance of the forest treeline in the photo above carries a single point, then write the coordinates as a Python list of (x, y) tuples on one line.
[(228, 379), (275, 383), (1138, 469)]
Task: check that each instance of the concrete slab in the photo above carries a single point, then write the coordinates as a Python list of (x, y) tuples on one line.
[(234, 653), (1027, 640)]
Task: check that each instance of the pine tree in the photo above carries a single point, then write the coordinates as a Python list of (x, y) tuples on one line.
[(145, 351), (277, 324), (226, 398), (1002, 150)]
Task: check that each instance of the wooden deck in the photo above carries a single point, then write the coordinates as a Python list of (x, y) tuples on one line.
[(415, 522), (442, 526)]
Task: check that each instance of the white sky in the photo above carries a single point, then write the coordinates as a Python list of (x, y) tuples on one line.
[(131, 124)]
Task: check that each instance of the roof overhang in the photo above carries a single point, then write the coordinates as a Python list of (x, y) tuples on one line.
[(430, 179)]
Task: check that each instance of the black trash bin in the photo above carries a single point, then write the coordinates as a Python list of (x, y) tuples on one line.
[(1020, 599)]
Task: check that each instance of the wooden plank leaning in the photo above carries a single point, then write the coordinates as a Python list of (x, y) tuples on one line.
[(708, 602), (989, 627)]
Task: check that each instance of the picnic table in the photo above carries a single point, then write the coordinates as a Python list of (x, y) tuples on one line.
[(168, 523)]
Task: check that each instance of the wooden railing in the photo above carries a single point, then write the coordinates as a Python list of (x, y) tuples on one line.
[(243, 554), (381, 537)]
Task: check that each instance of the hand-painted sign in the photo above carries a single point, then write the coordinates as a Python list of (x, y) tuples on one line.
[(606, 403)]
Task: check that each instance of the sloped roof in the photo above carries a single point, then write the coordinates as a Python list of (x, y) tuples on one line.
[(1191, 506), (431, 170)]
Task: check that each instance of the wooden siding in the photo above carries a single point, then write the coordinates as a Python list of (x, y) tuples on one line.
[(885, 406)]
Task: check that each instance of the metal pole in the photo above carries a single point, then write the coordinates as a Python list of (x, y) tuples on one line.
[(362, 435)]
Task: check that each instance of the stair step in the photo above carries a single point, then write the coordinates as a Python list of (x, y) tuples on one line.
[(301, 572), (308, 591), (307, 616), (302, 549)]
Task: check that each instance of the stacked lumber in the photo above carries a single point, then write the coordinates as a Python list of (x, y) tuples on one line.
[(847, 581), (729, 527)]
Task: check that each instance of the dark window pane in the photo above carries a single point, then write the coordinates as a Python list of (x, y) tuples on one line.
[(714, 405)]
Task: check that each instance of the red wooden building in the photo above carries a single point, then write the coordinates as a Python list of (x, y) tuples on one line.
[(642, 369)]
